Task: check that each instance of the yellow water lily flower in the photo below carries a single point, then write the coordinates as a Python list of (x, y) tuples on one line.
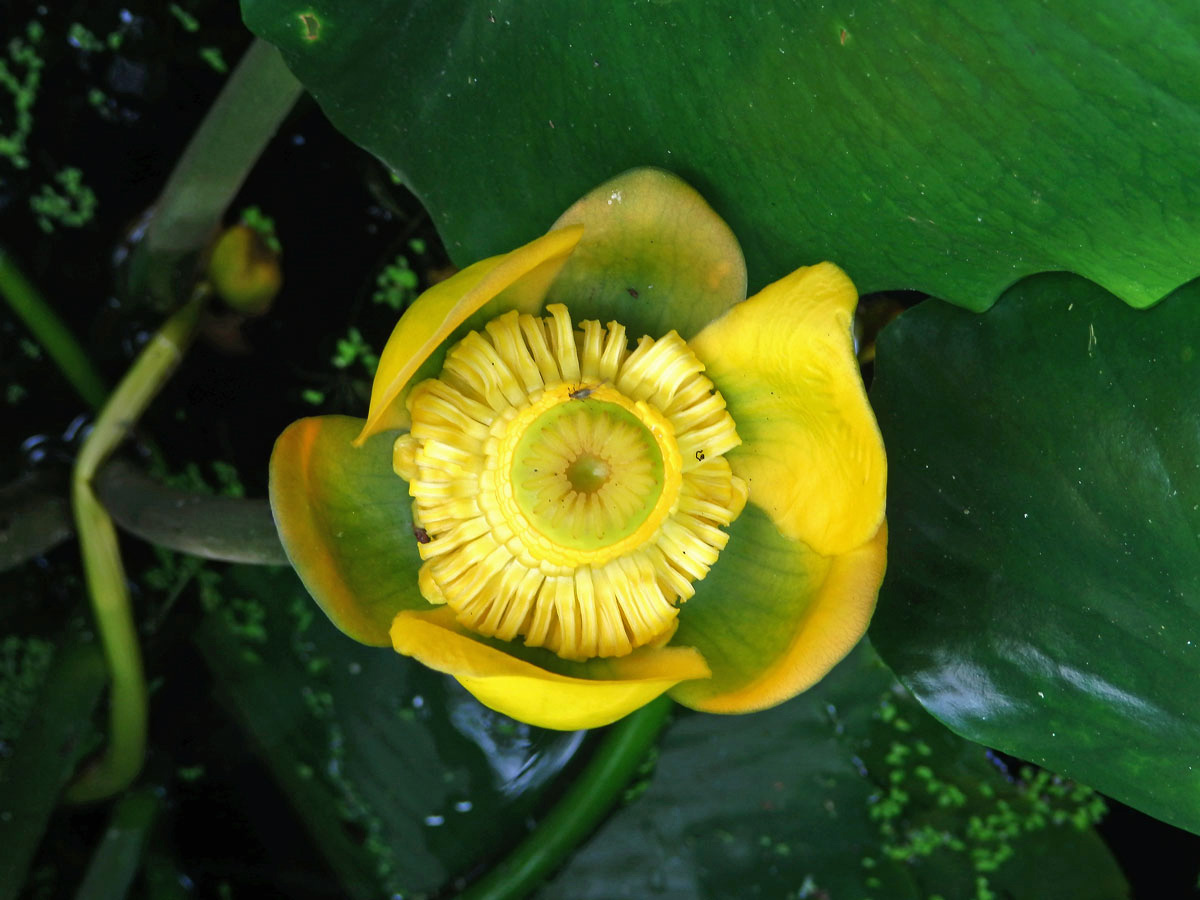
[(592, 472)]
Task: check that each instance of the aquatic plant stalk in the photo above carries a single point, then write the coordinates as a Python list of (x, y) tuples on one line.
[(104, 572), (581, 808), (49, 331), (260, 92), (118, 856)]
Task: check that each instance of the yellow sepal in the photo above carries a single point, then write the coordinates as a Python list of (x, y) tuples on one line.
[(811, 452), (524, 274), (529, 693), (834, 620)]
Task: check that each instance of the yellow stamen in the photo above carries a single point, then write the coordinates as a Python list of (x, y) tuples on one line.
[(567, 490)]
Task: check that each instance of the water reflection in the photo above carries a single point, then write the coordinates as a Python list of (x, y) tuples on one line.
[(522, 758)]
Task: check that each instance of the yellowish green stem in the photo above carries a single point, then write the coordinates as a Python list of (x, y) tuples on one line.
[(122, 759)]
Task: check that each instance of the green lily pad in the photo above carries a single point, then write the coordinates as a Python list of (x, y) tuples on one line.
[(1043, 585), (949, 147), (850, 790), (403, 780)]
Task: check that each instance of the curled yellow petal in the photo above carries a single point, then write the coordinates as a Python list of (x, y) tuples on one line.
[(600, 691), (832, 621), (524, 274), (811, 451)]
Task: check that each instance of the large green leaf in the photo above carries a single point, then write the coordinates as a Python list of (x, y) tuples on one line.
[(401, 777), (848, 791), (946, 146), (1043, 586)]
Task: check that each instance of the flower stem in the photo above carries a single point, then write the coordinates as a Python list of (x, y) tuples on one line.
[(104, 572), (48, 330), (119, 854), (581, 808)]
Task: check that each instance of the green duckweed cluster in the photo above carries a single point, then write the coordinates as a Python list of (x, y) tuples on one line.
[(920, 811), (68, 202), (64, 200), (396, 285), (642, 776), (353, 348), (20, 80)]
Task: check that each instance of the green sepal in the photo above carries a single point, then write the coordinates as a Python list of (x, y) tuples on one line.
[(773, 616), (345, 520), (653, 256)]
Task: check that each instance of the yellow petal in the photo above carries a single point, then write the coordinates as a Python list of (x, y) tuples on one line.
[(523, 275), (811, 451), (607, 690), (833, 621)]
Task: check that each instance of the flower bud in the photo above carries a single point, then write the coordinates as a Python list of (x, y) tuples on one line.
[(244, 270)]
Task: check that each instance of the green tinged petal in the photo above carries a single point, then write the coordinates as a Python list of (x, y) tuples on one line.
[(345, 520), (654, 257), (773, 616)]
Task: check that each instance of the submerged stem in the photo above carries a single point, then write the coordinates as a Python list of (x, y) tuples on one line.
[(255, 100), (104, 572), (49, 331), (119, 854), (581, 808)]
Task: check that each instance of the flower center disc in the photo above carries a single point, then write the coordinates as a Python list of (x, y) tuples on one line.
[(587, 475), (568, 490)]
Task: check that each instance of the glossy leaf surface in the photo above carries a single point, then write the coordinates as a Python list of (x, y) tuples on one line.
[(850, 790), (947, 147), (1043, 586), (403, 780)]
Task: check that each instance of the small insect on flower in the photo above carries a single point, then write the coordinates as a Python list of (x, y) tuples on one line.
[(582, 392), (421, 535)]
